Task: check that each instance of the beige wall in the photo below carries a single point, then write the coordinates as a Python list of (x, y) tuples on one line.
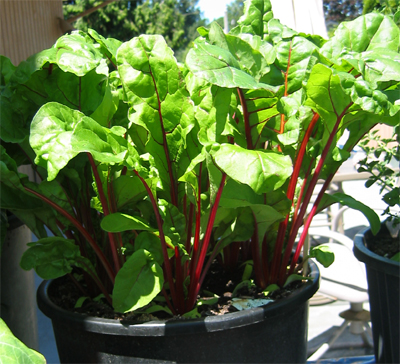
[(28, 27), (385, 131)]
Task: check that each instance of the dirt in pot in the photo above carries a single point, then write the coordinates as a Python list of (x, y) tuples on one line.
[(383, 243), (65, 294)]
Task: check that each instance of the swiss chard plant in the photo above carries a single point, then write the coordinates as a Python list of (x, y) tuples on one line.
[(147, 171)]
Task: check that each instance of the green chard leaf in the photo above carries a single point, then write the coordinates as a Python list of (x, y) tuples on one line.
[(59, 133), (118, 222), (6, 70), (264, 171), (326, 94), (109, 46), (256, 15), (138, 281), (51, 257), (349, 201), (77, 54), (368, 32), (14, 351), (323, 254), (159, 103), (218, 66)]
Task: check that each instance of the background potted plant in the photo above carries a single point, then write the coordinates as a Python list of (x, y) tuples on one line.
[(150, 171), (380, 253)]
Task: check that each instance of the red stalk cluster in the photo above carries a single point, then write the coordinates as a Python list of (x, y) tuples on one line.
[(277, 272)]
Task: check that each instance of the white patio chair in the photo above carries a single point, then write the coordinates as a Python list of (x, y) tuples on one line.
[(345, 280)]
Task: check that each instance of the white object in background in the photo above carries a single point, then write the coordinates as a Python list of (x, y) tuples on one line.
[(346, 280), (305, 16)]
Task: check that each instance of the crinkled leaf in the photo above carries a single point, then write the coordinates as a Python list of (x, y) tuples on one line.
[(159, 103), (248, 58), (191, 175), (212, 114), (257, 43), (368, 32), (34, 214), (138, 281), (77, 54), (222, 68), (14, 351), (326, 94), (86, 94), (51, 257), (381, 65), (27, 207), (109, 46), (276, 32), (297, 57), (59, 133), (256, 14), (371, 100)]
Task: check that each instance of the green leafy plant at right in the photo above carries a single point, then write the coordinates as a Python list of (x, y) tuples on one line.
[(382, 161)]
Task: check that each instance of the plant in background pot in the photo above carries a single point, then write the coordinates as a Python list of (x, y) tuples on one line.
[(151, 172), (382, 162), (381, 252)]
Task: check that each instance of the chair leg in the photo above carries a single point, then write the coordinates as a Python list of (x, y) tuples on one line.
[(325, 347), (367, 335)]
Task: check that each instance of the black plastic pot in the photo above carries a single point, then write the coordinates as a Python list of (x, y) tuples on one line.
[(17, 286), (274, 333), (383, 289)]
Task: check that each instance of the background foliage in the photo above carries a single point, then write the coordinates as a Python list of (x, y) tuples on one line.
[(178, 20)]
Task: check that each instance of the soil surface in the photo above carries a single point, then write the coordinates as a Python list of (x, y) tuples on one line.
[(383, 244), (64, 293)]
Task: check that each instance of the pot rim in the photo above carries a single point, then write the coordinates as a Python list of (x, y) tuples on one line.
[(176, 326), (372, 259)]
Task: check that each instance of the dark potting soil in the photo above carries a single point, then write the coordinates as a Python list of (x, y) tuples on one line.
[(64, 293), (383, 244)]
